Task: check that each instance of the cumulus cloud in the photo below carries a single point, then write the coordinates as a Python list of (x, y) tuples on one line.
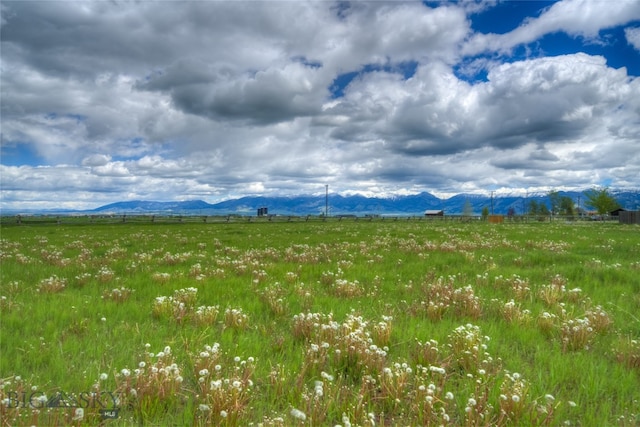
[(218, 99), (633, 36), (584, 18)]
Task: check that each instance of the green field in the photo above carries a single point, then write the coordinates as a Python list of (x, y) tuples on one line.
[(320, 323)]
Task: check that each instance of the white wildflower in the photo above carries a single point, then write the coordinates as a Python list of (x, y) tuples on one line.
[(296, 413), (78, 414)]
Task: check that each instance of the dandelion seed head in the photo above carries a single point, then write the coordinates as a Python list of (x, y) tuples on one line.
[(78, 414), (296, 413)]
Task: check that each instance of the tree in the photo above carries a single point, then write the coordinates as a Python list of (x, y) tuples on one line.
[(601, 200), (485, 213), (554, 198), (566, 206), (544, 210), (533, 208)]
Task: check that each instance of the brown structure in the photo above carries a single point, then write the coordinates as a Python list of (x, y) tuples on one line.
[(629, 217), (496, 219)]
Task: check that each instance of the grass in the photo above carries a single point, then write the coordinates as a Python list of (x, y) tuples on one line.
[(307, 323)]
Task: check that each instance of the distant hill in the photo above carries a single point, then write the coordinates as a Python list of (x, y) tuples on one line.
[(355, 205), (143, 206)]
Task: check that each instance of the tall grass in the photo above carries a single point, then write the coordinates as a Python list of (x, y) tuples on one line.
[(350, 323)]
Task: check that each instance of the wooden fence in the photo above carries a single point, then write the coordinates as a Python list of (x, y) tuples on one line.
[(223, 219), (629, 217)]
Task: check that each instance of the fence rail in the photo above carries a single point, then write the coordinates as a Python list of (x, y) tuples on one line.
[(26, 220)]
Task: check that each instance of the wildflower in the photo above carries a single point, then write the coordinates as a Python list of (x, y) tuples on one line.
[(572, 404), (515, 398), (549, 398), (125, 372), (204, 408), (326, 376), (103, 376), (142, 364), (437, 370), (472, 402), (448, 396), (223, 414), (296, 413), (78, 414)]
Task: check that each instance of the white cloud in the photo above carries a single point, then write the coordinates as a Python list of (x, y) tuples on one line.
[(584, 18), (633, 36), (213, 99)]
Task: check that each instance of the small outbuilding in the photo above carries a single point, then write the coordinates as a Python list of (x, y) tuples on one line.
[(430, 213), (629, 217), (616, 212)]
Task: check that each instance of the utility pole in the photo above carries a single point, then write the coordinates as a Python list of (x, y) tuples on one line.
[(326, 201), (492, 203)]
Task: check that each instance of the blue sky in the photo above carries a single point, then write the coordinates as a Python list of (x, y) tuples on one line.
[(104, 102)]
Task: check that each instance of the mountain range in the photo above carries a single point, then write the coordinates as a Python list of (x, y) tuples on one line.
[(415, 204)]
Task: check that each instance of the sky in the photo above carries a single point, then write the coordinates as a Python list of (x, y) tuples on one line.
[(213, 100)]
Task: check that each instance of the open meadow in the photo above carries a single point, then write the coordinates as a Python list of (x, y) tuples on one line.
[(351, 323)]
